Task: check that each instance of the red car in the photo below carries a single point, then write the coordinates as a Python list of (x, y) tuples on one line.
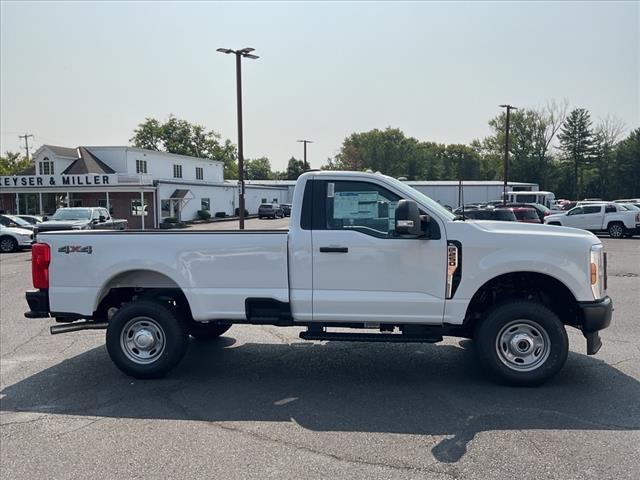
[(527, 215)]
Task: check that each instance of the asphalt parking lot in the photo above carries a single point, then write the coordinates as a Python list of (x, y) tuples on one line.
[(261, 403)]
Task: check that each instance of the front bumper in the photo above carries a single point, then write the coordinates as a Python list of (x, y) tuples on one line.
[(595, 316), (38, 301)]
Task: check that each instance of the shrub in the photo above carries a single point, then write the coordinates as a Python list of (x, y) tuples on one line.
[(220, 215), (203, 214), (237, 212), (171, 220)]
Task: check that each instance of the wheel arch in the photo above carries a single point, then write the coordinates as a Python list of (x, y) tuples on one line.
[(525, 285)]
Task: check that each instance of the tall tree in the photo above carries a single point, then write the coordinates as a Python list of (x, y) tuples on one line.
[(295, 168), (576, 143), (625, 172), (12, 163), (258, 169), (185, 138)]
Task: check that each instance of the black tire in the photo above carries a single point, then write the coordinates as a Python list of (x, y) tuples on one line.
[(204, 331), (616, 230), (521, 343), (137, 319), (8, 244)]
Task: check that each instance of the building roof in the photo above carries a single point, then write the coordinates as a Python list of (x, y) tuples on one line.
[(87, 162), (179, 193), (27, 171), (62, 151)]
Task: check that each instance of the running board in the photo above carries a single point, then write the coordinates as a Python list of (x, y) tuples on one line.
[(368, 337)]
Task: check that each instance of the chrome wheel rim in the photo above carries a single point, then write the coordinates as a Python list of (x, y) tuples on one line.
[(6, 245), (615, 231), (142, 340), (523, 345)]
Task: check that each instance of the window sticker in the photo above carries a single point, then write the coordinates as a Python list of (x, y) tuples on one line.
[(330, 189), (354, 205)]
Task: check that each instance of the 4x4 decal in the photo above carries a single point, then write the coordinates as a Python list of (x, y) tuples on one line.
[(76, 249)]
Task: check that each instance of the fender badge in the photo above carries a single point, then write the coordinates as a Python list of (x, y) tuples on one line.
[(76, 249)]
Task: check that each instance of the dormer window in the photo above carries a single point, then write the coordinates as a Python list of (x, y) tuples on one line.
[(45, 167)]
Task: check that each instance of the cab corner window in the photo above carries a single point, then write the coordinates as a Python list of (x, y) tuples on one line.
[(361, 206)]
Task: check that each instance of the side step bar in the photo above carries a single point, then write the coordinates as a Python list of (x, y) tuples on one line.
[(368, 337)]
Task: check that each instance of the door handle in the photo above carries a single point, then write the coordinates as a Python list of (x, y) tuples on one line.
[(334, 250)]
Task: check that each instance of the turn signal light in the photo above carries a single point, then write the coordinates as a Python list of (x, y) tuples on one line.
[(40, 259), (594, 273)]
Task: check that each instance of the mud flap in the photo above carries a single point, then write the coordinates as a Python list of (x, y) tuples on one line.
[(593, 342)]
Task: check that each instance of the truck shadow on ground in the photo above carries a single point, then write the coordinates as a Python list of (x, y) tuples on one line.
[(338, 387)]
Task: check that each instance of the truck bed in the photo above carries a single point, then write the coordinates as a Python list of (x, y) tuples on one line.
[(217, 271)]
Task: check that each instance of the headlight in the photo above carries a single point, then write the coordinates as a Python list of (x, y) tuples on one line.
[(597, 271)]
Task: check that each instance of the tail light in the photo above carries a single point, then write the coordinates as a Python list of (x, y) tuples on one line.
[(40, 259), (546, 214)]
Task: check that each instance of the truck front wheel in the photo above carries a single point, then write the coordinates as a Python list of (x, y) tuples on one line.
[(146, 339), (522, 343)]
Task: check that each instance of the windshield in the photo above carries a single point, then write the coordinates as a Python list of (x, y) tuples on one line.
[(422, 198), (72, 214)]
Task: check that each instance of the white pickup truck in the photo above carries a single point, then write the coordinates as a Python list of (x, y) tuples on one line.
[(616, 219), (364, 252)]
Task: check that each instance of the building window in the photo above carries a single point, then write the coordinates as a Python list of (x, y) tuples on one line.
[(102, 202), (170, 208), (141, 166), (205, 204), (177, 171), (264, 200), (137, 209), (75, 200), (45, 167), (199, 173)]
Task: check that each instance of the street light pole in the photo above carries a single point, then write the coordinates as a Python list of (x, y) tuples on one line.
[(245, 52), (306, 165), (506, 153)]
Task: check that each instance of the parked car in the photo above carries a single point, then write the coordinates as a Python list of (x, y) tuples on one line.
[(363, 251), (81, 218), (270, 210), (14, 221), (540, 209), (32, 219), (286, 209), (499, 214), (14, 238), (613, 218), (526, 215)]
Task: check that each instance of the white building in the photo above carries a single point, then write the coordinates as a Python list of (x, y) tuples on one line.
[(143, 186)]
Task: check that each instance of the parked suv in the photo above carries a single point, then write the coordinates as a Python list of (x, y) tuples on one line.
[(527, 215), (270, 210), (286, 209)]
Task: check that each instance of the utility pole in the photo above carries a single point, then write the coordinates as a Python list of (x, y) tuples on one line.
[(506, 153), (306, 165), (26, 142), (245, 52)]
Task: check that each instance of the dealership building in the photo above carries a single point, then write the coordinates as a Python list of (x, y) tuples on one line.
[(142, 186)]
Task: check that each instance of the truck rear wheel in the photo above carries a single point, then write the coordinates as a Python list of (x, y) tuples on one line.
[(204, 331), (616, 230), (146, 339), (8, 244), (522, 343)]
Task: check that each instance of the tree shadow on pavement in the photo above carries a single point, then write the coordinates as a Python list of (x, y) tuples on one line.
[(378, 388)]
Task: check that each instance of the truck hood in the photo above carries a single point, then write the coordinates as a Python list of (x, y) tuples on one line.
[(532, 229)]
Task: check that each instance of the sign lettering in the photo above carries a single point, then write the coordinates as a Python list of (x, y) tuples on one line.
[(57, 180)]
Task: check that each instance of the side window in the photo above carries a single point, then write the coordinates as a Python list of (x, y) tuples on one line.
[(361, 206), (592, 209), (104, 213), (610, 209), (576, 211)]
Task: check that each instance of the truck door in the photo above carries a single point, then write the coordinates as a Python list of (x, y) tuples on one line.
[(574, 218), (364, 272), (593, 217)]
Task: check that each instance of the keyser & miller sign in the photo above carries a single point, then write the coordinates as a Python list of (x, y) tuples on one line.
[(58, 180)]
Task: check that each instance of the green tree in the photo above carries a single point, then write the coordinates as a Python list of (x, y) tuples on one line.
[(185, 138), (576, 143), (625, 178), (295, 168), (258, 169), (12, 163)]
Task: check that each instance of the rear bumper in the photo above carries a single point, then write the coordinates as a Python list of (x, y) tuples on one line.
[(38, 301), (595, 316)]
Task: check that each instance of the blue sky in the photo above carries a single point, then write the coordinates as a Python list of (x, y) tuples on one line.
[(86, 73)]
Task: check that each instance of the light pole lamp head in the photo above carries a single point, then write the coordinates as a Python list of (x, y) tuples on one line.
[(225, 50)]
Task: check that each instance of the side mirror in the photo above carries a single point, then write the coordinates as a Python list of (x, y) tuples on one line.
[(45, 218), (408, 221), (94, 221)]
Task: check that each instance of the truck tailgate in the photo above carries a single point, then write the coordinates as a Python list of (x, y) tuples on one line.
[(217, 271)]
